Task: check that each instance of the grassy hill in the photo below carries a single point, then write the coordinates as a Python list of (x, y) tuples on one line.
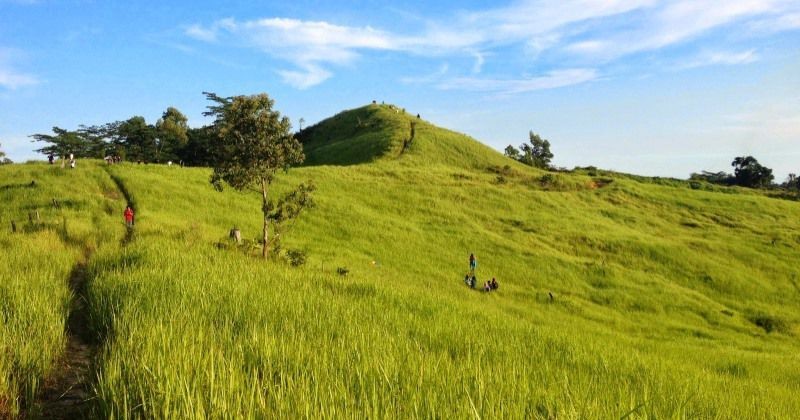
[(667, 301)]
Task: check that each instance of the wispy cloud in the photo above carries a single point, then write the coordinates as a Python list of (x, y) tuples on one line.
[(721, 58), (11, 78), (428, 78), (553, 79), (593, 33)]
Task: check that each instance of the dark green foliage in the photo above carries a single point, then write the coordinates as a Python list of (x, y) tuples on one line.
[(792, 183), (721, 178), (171, 131), (342, 271), (296, 257), (139, 139), (63, 142), (512, 152), (749, 173), (198, 150), (770, 323), (535, 153)]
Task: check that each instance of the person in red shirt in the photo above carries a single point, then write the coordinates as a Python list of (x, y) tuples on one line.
[(128, 216)]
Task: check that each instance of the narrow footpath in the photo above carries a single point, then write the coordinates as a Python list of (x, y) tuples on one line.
[(68, 392)]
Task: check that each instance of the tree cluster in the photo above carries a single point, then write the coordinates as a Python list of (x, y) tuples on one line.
[(169, 139), (747, 172), (535, 153)]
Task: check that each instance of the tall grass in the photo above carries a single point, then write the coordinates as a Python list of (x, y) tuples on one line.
[(36, 263), (618, 297), (650, 317)]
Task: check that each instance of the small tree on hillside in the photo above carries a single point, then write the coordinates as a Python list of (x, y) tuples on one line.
[(252, 143), (749, 173), (512, 152), (536, 153)]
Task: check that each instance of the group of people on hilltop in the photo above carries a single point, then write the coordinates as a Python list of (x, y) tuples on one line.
[(51, 158), (470, 279)]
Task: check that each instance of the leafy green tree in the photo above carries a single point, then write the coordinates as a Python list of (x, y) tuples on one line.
[(512, 152), (138, 138), (254, 142), (749, 173), (171, 132), (198, 149), (63, 142), (792, 182), (536, 153)]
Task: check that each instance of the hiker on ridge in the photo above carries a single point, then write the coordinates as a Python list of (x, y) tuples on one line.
[(473, 263), (128, 216)]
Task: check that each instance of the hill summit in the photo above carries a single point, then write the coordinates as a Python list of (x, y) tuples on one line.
[(384, 132)]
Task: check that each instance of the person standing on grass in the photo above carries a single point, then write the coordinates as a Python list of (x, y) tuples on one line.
[(128, 216), (473, 263)]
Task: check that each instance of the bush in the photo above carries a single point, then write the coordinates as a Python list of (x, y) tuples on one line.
[(296, 257), (770, 323)]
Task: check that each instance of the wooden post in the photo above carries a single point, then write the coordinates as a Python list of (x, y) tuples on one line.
[(236, 235)]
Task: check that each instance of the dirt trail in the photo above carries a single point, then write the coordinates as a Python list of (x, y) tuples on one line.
[(66, 394)]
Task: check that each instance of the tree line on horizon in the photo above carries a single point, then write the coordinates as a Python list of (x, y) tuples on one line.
[(747, 172), (169, 139)]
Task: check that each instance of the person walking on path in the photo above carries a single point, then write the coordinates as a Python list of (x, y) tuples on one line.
[(128, 216), (473, 263)]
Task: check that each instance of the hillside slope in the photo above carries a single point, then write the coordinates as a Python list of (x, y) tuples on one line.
[(618, 296)]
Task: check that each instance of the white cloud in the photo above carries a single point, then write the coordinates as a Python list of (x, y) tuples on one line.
[(722, 58), (596, 32), (675, 22), (479, 61), (309, 45), (553, 79), (310, 75), (200, 33), (10, 78)]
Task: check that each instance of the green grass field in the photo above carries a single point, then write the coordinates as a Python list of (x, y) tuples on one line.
[(668, 301)]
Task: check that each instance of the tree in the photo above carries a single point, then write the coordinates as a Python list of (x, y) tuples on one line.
[(537, 153), (721, 177), (3, 159), (512, 152), (792, 182), (198, 149), (749, 173), (64, 142), (254, 142), (138, 138), (171, 133)]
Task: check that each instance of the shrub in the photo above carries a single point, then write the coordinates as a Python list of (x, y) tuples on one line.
[(296, 257)]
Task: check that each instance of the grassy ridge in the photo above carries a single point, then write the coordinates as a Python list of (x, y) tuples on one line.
[(668, 301), (657, 288), (37, 261)]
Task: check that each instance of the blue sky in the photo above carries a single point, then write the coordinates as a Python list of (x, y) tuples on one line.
[(644, 86)]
